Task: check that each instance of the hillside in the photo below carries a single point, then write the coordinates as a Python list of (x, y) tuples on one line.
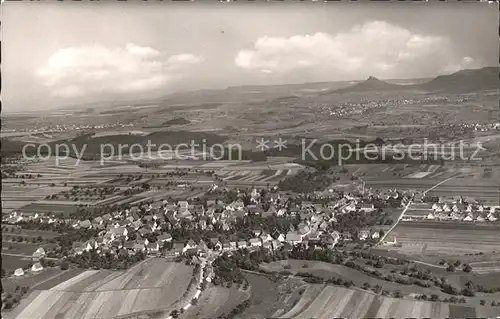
[(465, 81)]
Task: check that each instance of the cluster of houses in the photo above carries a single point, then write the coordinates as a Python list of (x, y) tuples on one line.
[(454, 211), (148, 228)]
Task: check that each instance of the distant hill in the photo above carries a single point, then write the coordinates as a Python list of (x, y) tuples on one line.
[(465, 81), (459, 82), (176, 121), (371, 84)]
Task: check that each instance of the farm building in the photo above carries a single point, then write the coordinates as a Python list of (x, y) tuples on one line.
[(363, 234), (39, 253), (36, 267), (18, 272)]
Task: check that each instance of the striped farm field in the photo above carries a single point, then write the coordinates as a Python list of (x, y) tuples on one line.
[(216, 301), (340, 302), (154, 284), (446, 238)]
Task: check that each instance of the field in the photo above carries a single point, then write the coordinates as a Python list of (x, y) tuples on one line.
[(326, 271), (216, 301), (42, 280), (442, 239), (59, 186), (154, 284), (338, 302), (11, 263), (459, 180)]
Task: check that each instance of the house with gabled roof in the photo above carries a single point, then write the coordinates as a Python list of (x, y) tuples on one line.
[(136, 224), (479, 218), (314, 236), (468, 218), (242, 244), (153, 247), (233, 244), (164, 238), (39, 253), (117, 232), (363, 234), (255, 242), (366, 207), (36, 267), (130, 219), (143, 242), (86, 224), (139, 247), (190, 244), (182, 204), (226, 246), (265, 237), (351, 207), (129, 245), (375, 234)]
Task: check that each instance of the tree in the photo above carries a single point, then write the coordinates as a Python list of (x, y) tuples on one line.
[(64, 265), (174, 313), (450, 268), (467, 268), (468, 292), (482, 302), (398, 294), (434, 297)]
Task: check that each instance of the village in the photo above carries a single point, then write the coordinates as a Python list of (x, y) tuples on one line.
[(254, 219), (172, 229)]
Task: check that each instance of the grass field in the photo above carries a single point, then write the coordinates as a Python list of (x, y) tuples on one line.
[(11, 263), (45, 279), (338, 302), (150, 285), (441, 239)]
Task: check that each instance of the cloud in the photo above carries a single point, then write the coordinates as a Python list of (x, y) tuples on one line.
[(374, 48), (78, 71), (466, 63)]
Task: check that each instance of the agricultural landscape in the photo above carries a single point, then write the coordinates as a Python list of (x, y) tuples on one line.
[(366, 198)]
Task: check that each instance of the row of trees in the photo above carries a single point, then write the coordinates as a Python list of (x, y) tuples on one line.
[(91, 259)]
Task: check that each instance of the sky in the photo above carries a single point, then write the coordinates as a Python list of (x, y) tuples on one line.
[(65, 53)]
